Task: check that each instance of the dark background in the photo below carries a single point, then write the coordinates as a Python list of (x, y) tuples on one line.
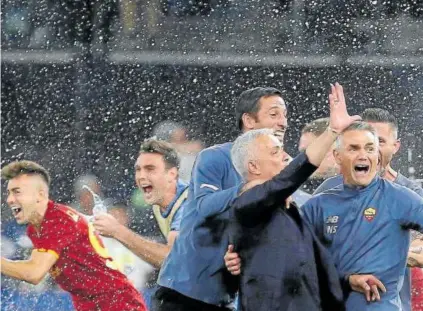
[(76, 119)]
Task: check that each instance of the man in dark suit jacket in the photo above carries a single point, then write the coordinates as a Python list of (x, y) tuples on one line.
[(284, 265)]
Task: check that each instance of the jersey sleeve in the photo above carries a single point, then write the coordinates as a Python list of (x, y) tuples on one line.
[(208, 174), (409, 210), (58, 233)]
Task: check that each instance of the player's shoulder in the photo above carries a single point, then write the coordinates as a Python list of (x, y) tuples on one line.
[(63, 213), (329, 183), (333, 191), (217, 152), (398, 191), (409, 183), (317, 200)]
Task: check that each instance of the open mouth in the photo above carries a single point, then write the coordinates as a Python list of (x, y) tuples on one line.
[(147, 189), (16, 210), (361, 169)]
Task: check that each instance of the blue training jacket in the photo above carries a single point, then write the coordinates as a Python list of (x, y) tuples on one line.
[(405, 293), (195, 265), (367, 230)]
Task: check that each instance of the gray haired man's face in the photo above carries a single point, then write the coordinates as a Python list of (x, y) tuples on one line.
[(358, 157), (269, 157)]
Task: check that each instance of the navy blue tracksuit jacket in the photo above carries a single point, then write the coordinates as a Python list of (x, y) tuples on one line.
[(284, 265)]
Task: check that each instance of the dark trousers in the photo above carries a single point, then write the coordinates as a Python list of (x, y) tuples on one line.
[(166, 299)]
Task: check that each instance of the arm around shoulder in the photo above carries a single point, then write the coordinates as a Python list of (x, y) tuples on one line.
[(208, 174)]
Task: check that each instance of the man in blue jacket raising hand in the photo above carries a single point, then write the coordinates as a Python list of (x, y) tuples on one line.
[(193, 276)]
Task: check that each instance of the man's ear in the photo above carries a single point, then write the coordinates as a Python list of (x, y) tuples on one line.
[(337, 157), (253, 167), (248, 121), (42, 192), (173, 173), (397, 146)]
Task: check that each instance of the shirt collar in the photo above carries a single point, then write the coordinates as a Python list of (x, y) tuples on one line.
[(180, 187)]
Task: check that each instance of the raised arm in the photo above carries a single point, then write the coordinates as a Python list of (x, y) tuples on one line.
[(258, 201)]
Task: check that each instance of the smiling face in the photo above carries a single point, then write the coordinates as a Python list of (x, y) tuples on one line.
[(25, 193), (272, 114), (357, 157), (154, 179)]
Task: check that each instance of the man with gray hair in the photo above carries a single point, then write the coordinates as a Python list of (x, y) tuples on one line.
[(285, 266), (386, 127), (365, 224)]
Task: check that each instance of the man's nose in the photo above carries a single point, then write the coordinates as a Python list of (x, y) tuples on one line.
[(283, 122), (362, 154), (10, 200), (141, 175)]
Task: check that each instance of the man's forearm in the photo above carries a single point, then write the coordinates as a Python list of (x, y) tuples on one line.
[(23, 270), (318, 149), (152, 252), (257, 202)]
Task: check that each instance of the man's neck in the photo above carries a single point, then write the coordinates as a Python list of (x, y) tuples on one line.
[(38, 215), (389, 173), (168, 197)]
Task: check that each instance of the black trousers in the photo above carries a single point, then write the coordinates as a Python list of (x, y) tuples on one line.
[(166, 299)]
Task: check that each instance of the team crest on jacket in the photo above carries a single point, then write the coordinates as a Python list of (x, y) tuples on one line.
[(370, 213)]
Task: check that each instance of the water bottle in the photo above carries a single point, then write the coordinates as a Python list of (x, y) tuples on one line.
[(99, 207)]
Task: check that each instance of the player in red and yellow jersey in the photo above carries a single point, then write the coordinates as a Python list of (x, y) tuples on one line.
[(65, 245)]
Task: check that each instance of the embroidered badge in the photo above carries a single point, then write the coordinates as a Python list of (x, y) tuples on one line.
[(370, 213)]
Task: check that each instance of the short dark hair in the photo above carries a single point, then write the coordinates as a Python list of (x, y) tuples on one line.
[(249, 100), (163, 148), (316, 127), (24, 167), (379, 115)]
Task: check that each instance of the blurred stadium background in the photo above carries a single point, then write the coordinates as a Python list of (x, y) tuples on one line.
[(85, 82)]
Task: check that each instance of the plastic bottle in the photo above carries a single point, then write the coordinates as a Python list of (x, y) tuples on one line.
[(99, 207)]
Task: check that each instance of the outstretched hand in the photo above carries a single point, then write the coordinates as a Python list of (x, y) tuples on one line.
[(339, 118)]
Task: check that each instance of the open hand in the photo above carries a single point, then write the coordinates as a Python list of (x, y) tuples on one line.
[(339, 118)]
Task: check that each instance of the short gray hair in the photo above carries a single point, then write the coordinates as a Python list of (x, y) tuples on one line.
[(241, 151), (357, 126)]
